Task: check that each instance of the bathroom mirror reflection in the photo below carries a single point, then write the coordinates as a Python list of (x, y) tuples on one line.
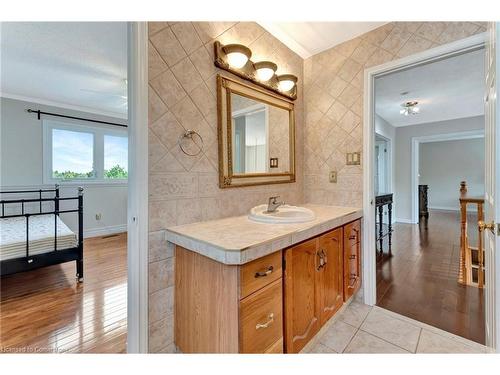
[(256, 135), (260, 137)]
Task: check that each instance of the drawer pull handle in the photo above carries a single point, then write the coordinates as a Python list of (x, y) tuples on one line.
[(352, 256), (269, 270), (354, 278), (270, 320), (352, 237)]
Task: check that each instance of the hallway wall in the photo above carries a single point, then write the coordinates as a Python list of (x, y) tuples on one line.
[(444, 164), (402, 156)]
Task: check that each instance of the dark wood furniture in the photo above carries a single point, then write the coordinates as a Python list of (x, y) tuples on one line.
[(423, 203), (383, 230), (29, 261)]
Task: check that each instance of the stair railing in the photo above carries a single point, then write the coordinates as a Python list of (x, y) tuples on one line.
[(467, 264)]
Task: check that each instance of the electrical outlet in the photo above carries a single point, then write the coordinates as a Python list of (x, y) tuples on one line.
[(333, 177), (98, 217)]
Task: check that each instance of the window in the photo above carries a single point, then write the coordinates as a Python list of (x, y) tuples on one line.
[(80, 153), (115, 157)]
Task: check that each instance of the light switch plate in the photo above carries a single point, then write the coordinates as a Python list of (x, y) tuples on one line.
[(333, 177), (353, 158)]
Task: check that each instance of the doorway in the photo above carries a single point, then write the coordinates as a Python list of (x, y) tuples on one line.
[(71, 113), (414, 266)]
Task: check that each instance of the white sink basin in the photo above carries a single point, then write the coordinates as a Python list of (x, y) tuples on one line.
[(283, 214)]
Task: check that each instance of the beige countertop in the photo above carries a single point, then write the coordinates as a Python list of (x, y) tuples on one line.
[(238, 240)]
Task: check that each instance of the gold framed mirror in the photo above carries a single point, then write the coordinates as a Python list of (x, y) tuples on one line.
[(256, 133)]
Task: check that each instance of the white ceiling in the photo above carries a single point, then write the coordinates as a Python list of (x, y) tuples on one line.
[(81, 65), (448, 89), (310, 38)]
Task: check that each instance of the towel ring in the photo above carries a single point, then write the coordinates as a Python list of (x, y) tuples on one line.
[(191, 134)]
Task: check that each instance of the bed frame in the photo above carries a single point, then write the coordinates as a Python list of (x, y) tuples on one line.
[(30, 262)]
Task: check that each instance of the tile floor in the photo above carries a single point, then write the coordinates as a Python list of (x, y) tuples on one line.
[(360, 328)]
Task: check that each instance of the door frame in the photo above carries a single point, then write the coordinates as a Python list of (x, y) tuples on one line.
[(415, 160), (137, 212), (431, 55)]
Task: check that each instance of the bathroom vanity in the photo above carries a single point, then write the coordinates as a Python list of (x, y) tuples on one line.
[(243, 286)]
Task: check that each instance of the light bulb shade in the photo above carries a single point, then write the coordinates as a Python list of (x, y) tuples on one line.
[(409, 108), (265, 70), (286, 82), (237, 55)]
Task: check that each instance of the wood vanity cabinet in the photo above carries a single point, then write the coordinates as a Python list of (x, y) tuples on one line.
[(313, 287), (331, 279), (301, 295), (222, 308), (273, 304), (352, 258)]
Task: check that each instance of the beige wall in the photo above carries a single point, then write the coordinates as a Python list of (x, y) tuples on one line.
[(333, 100), (183, 189)]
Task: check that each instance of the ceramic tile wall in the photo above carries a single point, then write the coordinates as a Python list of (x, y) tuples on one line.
[(183, 189), (333, 100), (182, 95)]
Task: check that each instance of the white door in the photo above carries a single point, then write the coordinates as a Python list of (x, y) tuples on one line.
[(492, 189)]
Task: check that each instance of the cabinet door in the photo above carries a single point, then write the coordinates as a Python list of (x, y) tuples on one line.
[(301, 297), (352, 266), (331, 281)]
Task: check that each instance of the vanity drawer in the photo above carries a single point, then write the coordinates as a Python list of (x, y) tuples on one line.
[(352, 233), (257, 274), (261, 320)]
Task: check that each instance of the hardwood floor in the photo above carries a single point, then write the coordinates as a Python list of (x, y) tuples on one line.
[(45, 310), (420, 279)]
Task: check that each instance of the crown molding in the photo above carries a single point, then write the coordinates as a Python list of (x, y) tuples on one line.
[(63, 105)]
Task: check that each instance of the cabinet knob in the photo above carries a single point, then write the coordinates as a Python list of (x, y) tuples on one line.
[(270, 320), (352, 256), (268, 271)]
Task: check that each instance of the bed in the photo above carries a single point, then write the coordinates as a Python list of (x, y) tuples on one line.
[(31, 239)]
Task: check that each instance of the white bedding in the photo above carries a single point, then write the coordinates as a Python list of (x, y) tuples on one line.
[(41, 236)]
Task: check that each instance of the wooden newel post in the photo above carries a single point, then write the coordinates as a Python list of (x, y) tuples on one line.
[(462, 275), (463, 188)]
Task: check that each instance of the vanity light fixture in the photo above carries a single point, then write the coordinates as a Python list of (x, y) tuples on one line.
[(235, 58), (409, 108), (286, 82), (237, 55), (265, 70)]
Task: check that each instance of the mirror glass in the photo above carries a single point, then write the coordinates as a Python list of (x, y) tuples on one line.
[(260, 136), (256, 133)]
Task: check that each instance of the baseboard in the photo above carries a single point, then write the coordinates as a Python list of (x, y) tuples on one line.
[(470, 208), (444, 208), (99, 232), (404, 221)]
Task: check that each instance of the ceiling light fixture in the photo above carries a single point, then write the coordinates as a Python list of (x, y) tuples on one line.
[(409, 108), (265, 70), (237, 55)]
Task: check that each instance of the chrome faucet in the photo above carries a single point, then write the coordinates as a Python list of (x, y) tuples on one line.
[(273, 204)]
